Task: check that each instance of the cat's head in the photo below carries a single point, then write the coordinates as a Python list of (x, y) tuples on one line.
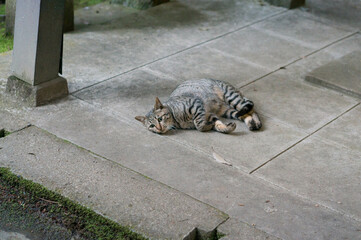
[(159, 119)]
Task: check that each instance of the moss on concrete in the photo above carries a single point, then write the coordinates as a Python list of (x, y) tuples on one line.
[(30, 206)]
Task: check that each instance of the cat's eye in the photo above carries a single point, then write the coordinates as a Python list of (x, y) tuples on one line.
[(160, 119), (151, 125)]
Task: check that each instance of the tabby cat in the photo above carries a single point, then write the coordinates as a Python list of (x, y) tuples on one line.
[(199, 104)]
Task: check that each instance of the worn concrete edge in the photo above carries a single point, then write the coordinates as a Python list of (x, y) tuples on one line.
[(221, 213), (225, 234), (323, 83)]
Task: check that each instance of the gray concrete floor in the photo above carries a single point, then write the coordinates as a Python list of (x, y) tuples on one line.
[(297, 178)]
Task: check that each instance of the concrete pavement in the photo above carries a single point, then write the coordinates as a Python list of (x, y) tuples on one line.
[(297, 178)]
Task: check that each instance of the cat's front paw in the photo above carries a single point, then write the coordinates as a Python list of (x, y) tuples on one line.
[(231, 127), (224, 128)]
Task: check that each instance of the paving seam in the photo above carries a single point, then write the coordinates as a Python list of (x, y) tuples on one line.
[(307, 136), (126, 121), (183, 50), (305, 199), (298, 195), (18, 130), (117, 163), (299, 59), (261, 180)]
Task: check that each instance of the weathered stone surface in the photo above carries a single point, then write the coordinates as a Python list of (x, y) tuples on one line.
[(297, 103), (343, 75), (345, 130), (208, 62), (140, 4), (246, 150), (302, 28), (234, 229), (161, 157), (300, 69), (37, 95), (120, 194), (98, 52), (260, 48), (10, 122), (343, 13), (326, 173)]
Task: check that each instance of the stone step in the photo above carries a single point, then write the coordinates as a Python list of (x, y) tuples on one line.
[(131, 199), (343, 75)]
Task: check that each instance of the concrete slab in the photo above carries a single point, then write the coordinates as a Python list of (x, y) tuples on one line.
[(310, 106), (298, 70), (242, 196), (208, 62), (244, 149), (345, 130), (120, 194), (342, 75), (10, 122), (327, 173), (303, 28), (260, 48), (238, 230), (125, 96), (341, 12), (102, 51)]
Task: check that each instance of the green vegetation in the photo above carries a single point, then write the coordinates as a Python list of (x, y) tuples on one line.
[(4, 133), (2, 9), (29, 206), (84, 3), (6, 42)]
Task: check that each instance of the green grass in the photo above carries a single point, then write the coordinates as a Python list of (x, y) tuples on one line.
[(20, 196), (6, 42)]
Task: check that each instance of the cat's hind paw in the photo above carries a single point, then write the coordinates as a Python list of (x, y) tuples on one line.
[(252, 121)]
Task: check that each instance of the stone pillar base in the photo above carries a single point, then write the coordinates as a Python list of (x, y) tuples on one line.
[(37, 95), (287, 3)]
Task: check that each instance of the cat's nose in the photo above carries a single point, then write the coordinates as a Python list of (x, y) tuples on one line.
[(158, 127)]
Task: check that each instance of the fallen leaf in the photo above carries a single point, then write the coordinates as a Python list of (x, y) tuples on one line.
[(267, 201), (220, 159), (241, 205)]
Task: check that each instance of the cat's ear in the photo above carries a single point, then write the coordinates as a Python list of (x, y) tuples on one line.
[(140, 119), (158, 104)]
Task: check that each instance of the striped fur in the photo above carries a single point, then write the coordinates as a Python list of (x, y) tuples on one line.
[(198, 104)]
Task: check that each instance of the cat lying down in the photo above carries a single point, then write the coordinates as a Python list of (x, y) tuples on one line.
[(198, 104)]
